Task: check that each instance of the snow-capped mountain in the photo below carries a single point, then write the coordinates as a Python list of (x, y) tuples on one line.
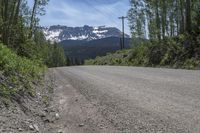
[(59, 33)]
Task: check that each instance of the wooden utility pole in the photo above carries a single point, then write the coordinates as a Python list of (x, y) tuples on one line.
[(120, 42), (123, 41)]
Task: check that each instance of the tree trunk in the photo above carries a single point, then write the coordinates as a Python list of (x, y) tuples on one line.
[(188, 16), (158, 20), (164, 14), (32, 18), (17, 11), (5, 22), (182, 22), (177, 18), (10, 21)]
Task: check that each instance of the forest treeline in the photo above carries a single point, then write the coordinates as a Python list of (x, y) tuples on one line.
[(19, 31), (171, 29), (158, 19), (24, 51)]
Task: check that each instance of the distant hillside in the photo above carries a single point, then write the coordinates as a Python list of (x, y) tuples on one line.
[(82, 49)]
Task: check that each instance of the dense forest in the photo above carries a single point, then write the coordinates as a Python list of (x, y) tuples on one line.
[(19, 31), (24, 52), (172, 28)]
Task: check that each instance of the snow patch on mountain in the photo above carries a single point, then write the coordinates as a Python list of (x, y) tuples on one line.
[(96, 31), (52, 35), (82, 37)]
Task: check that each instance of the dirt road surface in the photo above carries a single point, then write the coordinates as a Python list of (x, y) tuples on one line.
[(110, 99)]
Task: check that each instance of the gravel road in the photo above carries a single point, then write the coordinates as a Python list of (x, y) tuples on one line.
[(110, 99)]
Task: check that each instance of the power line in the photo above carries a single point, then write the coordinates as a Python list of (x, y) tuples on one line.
[(107, 8), (105, 15), (111, 12)]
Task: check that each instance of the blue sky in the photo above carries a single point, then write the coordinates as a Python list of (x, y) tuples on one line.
[(85, 12)]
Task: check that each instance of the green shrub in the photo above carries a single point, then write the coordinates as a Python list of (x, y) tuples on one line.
[(139, 55), (191, 63), (17, 73), (169, 52)]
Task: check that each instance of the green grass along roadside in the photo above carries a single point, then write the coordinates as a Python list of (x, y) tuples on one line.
[(18, 74)]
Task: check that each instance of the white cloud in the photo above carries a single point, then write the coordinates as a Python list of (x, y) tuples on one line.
[(78, 13)]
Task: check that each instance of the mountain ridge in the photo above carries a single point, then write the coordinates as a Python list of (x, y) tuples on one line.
[(59, 33)]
